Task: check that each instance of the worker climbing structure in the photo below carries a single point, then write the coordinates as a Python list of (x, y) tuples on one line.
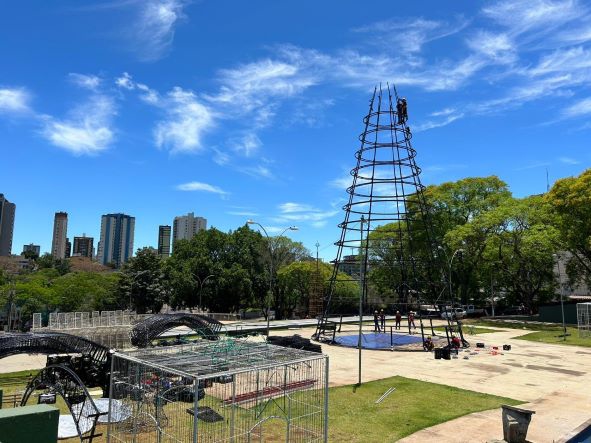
[(386, 221)]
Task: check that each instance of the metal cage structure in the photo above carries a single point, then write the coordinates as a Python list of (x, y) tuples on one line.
[(584, 319), (220, 391)]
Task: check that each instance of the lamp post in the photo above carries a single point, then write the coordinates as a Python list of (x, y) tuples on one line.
[(361, 288), (457, 251), (450, 267), (201, 283), (271, 264), (557, 257)]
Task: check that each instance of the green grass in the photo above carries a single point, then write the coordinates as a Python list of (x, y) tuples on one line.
[(543, 333), (414, 405), (354, 416), (553, 335)]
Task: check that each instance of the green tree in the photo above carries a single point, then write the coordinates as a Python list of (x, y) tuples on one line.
[(519, 253), (143, 284), (570, 199)]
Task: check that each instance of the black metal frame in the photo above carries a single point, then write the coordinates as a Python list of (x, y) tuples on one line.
[(96, 357), (386, 189), (153, 327), (59, 379)]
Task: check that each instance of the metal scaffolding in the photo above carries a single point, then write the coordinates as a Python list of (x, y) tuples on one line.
[(224, 390)]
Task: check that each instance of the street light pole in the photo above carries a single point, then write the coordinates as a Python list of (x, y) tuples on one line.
[(271, 263), (361, 288), (557, 257), (450, 268), (201, 283)]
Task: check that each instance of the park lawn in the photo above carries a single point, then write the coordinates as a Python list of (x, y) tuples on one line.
[(543, 333), (414, 405), (553, 335)]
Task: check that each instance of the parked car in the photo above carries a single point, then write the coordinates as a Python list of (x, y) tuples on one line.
[(455, 313)]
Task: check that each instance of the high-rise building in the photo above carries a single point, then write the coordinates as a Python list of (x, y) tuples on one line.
[(7, 211), (34, 249), (83, 246), (163, 241), (68, 248), (186, 226), (60, 235), (116, 243)]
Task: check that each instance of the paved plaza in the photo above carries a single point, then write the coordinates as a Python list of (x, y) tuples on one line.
[(552, 380)]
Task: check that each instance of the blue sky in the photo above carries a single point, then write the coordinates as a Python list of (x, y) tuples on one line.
[(238, 110)]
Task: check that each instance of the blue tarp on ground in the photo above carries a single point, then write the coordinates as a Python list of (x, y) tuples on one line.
[(376, 340)]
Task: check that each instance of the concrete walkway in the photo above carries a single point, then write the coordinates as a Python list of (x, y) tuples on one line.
[(553, 380)]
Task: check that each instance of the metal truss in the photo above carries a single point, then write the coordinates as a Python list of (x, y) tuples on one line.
[(153, 327)]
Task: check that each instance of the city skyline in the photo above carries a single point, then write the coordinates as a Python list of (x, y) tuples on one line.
[(264, 123)]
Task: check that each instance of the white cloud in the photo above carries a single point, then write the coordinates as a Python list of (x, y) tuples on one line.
[(125, 81), (298, 212), (257, 171), (290, 207), (247, 145), (203, 187), (187, 120), (14, 100), (243, 213), (154, 30), (582, 107), (532, 15), (497, 47), (569, 161), (91, 82), (148, 95), (86, 131), (410, 35), (564, 60), (431, 124)]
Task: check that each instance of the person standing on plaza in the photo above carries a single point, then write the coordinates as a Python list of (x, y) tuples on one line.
[(376, 322), (383, 320), (398, 320), (411, 320)]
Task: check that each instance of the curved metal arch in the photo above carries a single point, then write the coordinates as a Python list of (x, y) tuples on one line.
[(64, 381), (50, 343), (152, 327)]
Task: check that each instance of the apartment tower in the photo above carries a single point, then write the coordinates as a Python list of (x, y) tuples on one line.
[(7, 211), (116, 243), (83, 246), (60, 235), (186, 226), (164, 241)]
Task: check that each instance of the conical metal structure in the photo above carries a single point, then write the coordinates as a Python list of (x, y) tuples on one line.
[(386, 214)]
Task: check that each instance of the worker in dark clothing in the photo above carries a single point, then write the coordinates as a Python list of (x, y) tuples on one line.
[(428, 344), (398, 320), (400, 111), (383, 320), (376, 322), (404, 110)]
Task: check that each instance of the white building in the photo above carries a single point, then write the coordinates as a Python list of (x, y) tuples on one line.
[(186, 226), (60, 234), (116, 243)]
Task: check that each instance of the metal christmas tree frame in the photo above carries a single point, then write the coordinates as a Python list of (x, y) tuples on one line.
[(386, 218)]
